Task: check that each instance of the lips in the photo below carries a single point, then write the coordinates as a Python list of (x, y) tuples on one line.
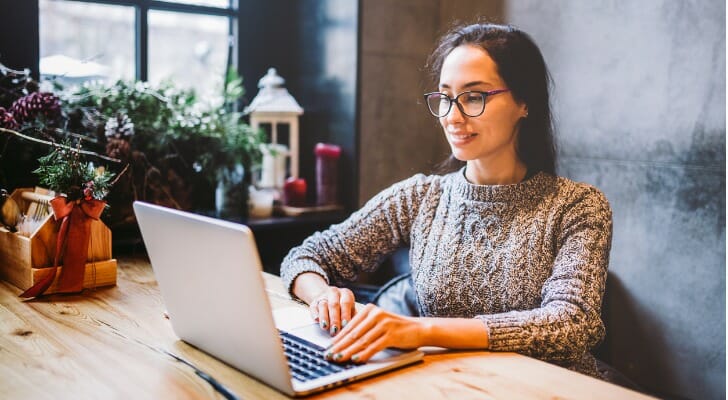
[(461, 138)]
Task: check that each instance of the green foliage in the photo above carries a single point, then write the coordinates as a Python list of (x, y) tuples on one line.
[(172, 123), (63, 171)]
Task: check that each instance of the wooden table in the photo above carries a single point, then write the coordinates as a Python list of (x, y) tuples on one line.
[(101, 344)]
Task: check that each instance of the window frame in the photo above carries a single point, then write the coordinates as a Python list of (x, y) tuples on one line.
[(141, 26)]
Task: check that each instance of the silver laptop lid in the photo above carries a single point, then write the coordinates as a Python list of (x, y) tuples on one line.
[(208, 271)]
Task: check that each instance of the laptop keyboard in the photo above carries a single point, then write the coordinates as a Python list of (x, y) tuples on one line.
[(306, 360)]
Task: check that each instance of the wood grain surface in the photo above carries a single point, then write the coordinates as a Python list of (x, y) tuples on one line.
[(105, 344)]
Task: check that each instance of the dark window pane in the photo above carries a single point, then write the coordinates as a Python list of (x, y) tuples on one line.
[(282, 131), (268, 129)]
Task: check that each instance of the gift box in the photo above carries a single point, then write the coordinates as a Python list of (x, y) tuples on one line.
[(25, 260)]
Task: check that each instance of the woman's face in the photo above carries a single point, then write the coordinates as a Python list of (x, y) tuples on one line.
[(491, 137)]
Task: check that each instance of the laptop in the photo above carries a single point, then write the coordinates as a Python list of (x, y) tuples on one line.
[(209, 274)]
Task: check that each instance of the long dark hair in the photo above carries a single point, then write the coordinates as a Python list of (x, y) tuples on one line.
[(524, 71)]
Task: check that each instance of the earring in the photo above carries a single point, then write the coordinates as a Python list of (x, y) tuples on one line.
[(526, 114)]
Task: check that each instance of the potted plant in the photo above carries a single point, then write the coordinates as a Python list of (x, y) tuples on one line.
[(180, 149)]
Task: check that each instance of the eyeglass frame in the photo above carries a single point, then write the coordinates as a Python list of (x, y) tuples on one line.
[(460, 107)]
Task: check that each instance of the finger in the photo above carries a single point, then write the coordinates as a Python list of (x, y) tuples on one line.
[(348, 304), (334, 312), (323, 313), (358, 324), (313, 309), (360, 347), (369, 351), (364, 329)]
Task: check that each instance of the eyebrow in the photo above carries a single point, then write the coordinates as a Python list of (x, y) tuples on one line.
[(467, 85)]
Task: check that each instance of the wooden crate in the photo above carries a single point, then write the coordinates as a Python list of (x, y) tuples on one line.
[(25, 260)]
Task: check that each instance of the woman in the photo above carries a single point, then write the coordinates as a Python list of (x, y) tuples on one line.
[(505, 256)]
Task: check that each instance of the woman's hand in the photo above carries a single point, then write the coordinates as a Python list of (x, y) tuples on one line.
[(373, 330), (333, 309), (330, 306)]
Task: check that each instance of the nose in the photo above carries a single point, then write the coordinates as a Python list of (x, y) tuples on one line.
[(455, 116)]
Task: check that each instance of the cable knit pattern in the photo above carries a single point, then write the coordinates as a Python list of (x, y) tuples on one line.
[(528, 259)]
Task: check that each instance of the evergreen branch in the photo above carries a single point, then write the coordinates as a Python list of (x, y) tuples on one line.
[(85, 152)]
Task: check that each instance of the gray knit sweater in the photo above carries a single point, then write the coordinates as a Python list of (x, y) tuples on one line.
[(528, 259)]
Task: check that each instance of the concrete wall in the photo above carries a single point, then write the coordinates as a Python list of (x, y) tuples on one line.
[(640, 105), (397, 135), (640, 100), (396, 139)]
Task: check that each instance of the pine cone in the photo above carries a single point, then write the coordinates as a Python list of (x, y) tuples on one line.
[(118, 148), (29, 107), (119, 126), (7, 120)]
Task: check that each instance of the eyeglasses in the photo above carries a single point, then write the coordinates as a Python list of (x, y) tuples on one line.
[(472, 103)]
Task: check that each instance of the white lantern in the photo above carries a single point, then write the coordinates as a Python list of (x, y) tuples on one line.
[(274, 105)]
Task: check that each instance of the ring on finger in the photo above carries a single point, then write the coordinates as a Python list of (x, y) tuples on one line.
[(319, 301)]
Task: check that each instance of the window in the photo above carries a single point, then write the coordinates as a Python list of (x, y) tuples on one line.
[(189, 41), (191, 48), (82, 41)]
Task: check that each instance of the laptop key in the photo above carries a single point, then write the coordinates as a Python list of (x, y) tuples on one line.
[(306, 360)]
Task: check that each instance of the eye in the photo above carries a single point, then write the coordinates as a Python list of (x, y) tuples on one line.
[(473, 98)]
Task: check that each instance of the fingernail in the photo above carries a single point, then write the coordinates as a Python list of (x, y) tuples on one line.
[(355, 358), (334, 329), (338, 356), (343, 323), (328, 355), (324, 325)]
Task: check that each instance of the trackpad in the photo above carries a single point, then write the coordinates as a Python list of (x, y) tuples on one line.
[(298, 321), (314, 334)]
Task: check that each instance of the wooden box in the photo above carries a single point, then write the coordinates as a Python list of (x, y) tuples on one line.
[(25, 260)]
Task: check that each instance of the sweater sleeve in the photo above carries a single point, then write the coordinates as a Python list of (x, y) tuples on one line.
[(568, 322), (359, 243)]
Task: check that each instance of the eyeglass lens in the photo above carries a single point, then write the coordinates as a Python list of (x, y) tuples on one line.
[(470, 103)]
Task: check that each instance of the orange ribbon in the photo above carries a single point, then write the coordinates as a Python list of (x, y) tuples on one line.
[(72, 243)]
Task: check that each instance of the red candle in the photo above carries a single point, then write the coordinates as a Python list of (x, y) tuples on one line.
[(330, 151), (327, 157)]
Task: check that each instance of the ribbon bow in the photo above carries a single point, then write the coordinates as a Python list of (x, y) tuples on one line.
[(72, 243)]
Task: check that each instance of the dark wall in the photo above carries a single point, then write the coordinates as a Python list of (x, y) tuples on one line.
[(640, 102), (19, 49), (19, 40), (313, 45)]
